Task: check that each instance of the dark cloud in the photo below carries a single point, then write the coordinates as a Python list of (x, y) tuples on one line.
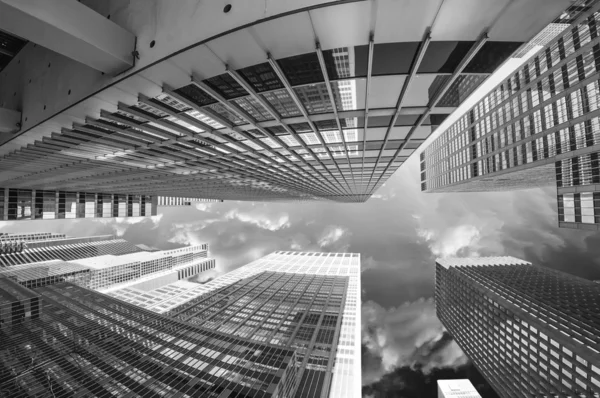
[(409, 382)]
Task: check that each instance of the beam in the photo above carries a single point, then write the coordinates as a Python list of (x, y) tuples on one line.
[(412, 73), (334, 106), (461, 66), (70, 29), (10, 120)]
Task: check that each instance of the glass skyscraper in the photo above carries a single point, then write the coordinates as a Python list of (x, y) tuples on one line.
[(63, 340), (538, 127), (306, 301), (530, 330), (17, 204), (329, 113)]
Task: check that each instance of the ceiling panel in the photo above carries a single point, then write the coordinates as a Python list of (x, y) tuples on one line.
[(238, 49), (524, 19), (466, 19), (343, 25), (418, 92), (200, 60), (384, 91), (404, 20), (285, 37)]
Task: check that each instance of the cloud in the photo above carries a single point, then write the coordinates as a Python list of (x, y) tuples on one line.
[(203, 206), (331, 235), (407, 336), (120, 225), (269, 222), (462, 241)]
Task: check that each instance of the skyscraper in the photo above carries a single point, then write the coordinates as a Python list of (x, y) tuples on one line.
[(63, 248), (538, 127), (529, 330), (17, 204), (306, 301), (65, 340), (292, 104), (99, 262), (164, 201)]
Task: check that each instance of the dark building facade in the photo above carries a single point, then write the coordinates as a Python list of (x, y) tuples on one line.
[(65, 248), (539, 127), (17, 204), (531, 331), (294, 311), (310, 101), (81, 343)]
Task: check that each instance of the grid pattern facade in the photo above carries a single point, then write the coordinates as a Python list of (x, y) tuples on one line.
[(297, 311), (170, 201), (86, 344), (162, 298), (31, 236), (32, 204), (345, 382), (68, 249), (546, 114), (111, 271), (547, 108), (305, 127), (531, 331)]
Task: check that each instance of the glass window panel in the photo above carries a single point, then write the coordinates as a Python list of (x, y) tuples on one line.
[(196, 95), (253, 108), (491, 55), (226, 86), (223, 112), (282, 102), (339, 62), (460, 90), (393, 58), (300, 127), (347, 94), (261, 77), (315, 98), (444, 56), (302, 69)]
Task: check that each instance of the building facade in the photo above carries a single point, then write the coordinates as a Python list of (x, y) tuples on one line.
[(18, 204), (164, 201), (529, 330), (66, 249), (292, 104), (457, 388), (64, 340), (308, 301), (539, 127)]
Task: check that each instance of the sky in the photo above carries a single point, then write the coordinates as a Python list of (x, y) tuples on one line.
[(399, 232)]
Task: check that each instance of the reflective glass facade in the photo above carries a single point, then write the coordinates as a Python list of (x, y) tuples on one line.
[(324, 124), (85, 344), (67, 249), (303, 312), (530, 330), (539, 127), (28, 204), (320, 268), (164, 201)]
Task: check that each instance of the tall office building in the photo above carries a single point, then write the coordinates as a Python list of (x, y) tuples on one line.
[(164, 201), (18, 204), (64, 340), (309, 302), (538, 127), (63, 248), (529, 330), (456, 388), (291, 104)]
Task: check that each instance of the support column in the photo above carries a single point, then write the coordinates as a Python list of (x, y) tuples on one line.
[(70, 29), (10, 120)]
